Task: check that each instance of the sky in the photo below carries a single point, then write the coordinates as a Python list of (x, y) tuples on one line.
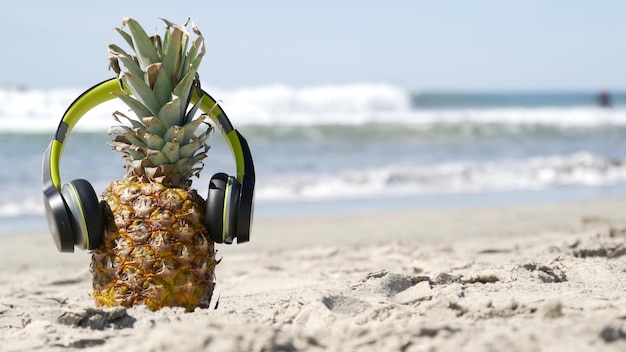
[(482, 45)]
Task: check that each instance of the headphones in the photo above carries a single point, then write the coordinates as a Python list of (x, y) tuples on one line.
[(75, 215)]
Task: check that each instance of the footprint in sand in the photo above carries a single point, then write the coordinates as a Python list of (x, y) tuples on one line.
[(401, 288), (345, 304)]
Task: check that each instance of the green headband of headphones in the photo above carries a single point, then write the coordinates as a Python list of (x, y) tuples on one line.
[(105, 91)]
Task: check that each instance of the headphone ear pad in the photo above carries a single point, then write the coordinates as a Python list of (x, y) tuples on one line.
[(222, 207), (85, 213)]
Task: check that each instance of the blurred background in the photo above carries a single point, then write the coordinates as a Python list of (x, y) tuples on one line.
[(347, 105)]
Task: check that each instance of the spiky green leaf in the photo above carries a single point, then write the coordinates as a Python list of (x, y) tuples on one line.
[(157, 157), (153, 141), (114, 64), (162, 86), (183, 59), (154, 125), (192, 126), (184, 164), (189, 149), (143, 46), (166, 35), (192, 112), (127, 59), (172, 151), (127, 149), (170, 112), (174, 133), (142, 92), (171, 56), (133, 122), (183, 89), (198, 157), (136, 106), (158, 44), (129, 135), (127, 38)]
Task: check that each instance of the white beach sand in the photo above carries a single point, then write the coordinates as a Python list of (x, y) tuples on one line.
[(534, 278)]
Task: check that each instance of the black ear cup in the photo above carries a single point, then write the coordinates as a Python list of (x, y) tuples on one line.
[(86, 218), (222, 207)]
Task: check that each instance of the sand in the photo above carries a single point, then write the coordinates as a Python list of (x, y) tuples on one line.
[(534, 278)]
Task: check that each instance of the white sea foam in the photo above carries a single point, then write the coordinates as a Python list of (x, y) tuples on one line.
[(40, 111), (578, 169)]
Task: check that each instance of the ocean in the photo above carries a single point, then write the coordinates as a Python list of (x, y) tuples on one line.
[(344, 148)]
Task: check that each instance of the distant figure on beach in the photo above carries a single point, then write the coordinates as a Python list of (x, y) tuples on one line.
[(604, 99)]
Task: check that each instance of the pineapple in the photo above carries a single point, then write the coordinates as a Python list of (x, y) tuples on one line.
[(156, 250)]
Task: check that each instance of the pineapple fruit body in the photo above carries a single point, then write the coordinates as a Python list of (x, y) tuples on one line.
[(156, 250)]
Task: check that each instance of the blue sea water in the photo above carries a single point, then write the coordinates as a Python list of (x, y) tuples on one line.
[(362, 147)]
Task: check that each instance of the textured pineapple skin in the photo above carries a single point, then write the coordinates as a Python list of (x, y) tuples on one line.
[(155, 251)]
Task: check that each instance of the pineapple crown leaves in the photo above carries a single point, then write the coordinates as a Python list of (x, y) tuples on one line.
[(161, 74)]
